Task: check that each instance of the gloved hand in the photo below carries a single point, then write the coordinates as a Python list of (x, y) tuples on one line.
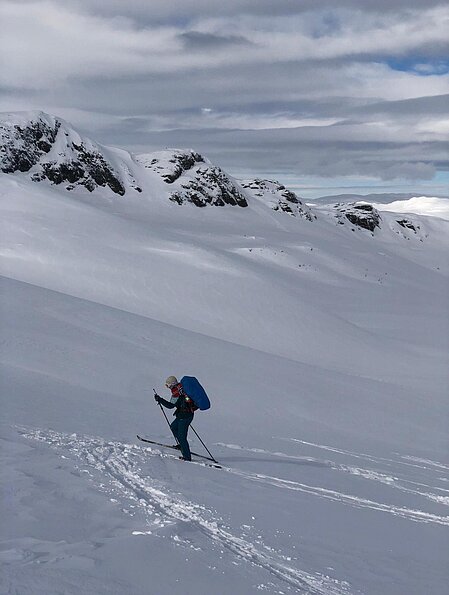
[(157, 398)]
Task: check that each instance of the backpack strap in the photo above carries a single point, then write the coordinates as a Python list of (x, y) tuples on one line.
[(183, 402)]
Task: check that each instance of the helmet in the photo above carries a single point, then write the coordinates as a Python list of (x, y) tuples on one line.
[(171, 381)]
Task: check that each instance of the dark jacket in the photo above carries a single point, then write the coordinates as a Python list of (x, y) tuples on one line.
[(184, 405)]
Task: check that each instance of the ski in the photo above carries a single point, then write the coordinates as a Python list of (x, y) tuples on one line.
[(202, 463), (174, 448)]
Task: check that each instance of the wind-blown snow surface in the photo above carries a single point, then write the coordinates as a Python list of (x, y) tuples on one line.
[(325, 354)]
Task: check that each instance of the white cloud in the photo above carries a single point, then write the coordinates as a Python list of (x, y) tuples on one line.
[(45, 42), (298, 81), (214, 119)]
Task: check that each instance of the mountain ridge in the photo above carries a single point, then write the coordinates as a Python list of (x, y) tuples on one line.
[(47, 149)]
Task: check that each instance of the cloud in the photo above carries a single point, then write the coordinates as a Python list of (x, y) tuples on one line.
[(189, 10), (57, 43), (308, 151), (304, 87), (197, 40)]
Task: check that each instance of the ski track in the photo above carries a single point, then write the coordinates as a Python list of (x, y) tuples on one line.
[(428, 466), (426, 462), (425, 465), (369, 474), (120, 464)]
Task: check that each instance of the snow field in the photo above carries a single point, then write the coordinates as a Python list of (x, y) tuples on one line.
[(325, 353)]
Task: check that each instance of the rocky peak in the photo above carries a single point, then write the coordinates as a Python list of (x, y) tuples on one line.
[(170, 164), (360, 214), (49, 149), (23, 142), (278, 197), (196, 179), (210, 185)]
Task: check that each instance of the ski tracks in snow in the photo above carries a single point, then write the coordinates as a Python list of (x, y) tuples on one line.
[(120, 463), (370, 474)]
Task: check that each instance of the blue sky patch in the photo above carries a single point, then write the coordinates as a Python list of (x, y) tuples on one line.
[(419, 65)]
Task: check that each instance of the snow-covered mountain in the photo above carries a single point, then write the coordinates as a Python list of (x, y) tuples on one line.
[(48, 149), (320, 332), (279, 198), (194, 178)]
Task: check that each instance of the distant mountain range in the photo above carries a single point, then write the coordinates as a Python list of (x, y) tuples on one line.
[(381, 198)]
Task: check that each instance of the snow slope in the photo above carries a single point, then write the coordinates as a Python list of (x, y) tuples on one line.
[(323, 345), (293, 509)]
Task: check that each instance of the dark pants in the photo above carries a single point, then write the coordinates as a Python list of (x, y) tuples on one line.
[(180, 427)]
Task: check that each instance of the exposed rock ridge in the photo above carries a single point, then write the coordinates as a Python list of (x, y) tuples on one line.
[(197, 181), (279, 198), (210, 186), (48, 149), (170, 164), (362, 215), (22, 146)]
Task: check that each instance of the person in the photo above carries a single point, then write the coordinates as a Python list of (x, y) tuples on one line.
[(185, 409)]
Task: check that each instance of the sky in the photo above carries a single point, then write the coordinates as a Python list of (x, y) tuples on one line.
[(328, 97)]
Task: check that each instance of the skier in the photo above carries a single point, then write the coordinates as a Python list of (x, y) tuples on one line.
[(185, 408)]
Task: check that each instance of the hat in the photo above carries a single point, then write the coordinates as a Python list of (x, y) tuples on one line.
[(171, 381)]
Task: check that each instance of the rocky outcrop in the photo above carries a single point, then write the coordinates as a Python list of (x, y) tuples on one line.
[(170, 164), (406, 224), (88, 169), (197, 181), (22, 146), (49, 149), (209, 186), (360, 214), (278, 197)]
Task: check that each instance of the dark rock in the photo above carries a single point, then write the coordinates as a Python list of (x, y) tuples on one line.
[(363, 207), (361, 215), (171, 164), (24, 147), (21, 147), (209, 186), (279, 198), (407, 224), (183, 162)]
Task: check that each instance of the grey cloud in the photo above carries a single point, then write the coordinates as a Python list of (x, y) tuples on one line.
[(9, 90), (305, 153), (435, 105), (376, 132), (105, 48), (198, 40), (410, 171), (183, 11)]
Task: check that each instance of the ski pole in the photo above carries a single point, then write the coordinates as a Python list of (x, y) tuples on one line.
[(166, 419), (198, 436)]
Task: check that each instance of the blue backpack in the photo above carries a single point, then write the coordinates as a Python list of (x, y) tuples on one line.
[(196, 392)]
